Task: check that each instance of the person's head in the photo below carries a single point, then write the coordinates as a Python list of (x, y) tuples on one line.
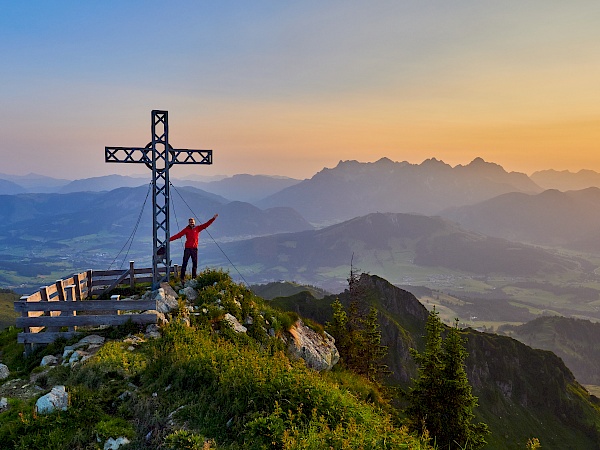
[(192, 222)]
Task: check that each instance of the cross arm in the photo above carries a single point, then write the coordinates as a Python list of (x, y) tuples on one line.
[(144, 155), (128, 155), (186, 156)]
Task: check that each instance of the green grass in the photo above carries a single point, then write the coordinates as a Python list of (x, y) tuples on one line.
[(7, 310), (203, 387)]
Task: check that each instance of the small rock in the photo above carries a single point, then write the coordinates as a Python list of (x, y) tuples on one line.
[(134, 340), (152, 331), (76, 356), (49, 360), (190, 293), (3, 404), (67, 352), (114, 444), (4, 372), (92, 339)]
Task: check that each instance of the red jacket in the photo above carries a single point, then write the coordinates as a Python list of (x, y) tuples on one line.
[(191, 234)]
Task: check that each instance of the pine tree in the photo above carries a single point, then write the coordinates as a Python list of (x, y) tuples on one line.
[(357, 333), (338, 328), (441, 400)]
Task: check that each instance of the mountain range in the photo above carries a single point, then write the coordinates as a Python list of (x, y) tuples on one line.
[(354, 189), (568, 219), (241, 187), (564, 180), (475, 247), (388, 244)]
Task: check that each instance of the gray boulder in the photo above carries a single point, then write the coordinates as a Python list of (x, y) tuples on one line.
[(317, 351), (3, 404), (57, 398), (49, 360), (190, 293), (235, 324)]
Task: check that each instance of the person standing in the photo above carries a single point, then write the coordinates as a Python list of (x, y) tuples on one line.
[(191, 233)]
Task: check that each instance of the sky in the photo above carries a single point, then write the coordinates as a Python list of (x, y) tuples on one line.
[(290, 87)]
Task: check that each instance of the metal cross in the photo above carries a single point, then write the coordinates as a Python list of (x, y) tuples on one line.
[(159, 156)]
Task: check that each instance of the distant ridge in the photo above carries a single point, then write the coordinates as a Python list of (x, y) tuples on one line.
[(551, 217), (565, 180), (9, 188), (245, 187), (34, 183), (104, 183), (354, 189), (386, 244)]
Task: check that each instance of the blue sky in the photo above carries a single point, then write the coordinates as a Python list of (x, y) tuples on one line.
[(287, 88)]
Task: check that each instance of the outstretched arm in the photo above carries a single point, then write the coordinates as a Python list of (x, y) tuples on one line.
[(208, 223), (178, 235)]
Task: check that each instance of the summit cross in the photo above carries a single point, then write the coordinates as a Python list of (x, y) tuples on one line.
[(159, 156)]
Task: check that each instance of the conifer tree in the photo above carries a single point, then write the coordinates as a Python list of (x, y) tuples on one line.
[(441, 400), (357, 333)]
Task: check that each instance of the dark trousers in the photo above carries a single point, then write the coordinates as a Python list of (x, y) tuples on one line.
[(187, 254)]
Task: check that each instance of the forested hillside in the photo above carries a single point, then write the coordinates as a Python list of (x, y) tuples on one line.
[(575, 341), (522, 392)]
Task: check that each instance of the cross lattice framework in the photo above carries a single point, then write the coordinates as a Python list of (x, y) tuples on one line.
[(159, 156)]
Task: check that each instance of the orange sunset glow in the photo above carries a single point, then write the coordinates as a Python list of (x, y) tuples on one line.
[(287, 89)]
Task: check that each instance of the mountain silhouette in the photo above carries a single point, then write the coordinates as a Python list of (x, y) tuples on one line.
[(551, 217), (564, 180), (385, 244), (353, 189)]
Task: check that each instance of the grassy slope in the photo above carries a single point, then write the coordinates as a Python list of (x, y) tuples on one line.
[(192, 385), (7, 311)]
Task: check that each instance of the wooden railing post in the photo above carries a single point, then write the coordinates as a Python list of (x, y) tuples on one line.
[(60, 289), (89, 283), (28, 347), (131, 275), (71, 297), (77, 287)]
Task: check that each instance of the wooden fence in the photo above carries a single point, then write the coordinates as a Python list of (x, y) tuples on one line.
[(58, 304)]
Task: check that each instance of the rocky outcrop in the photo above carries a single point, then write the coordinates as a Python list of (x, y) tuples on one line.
[(165, 296), (82, 350), (318, 351)]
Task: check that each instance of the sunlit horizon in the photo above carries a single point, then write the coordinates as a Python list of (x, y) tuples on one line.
[(288, 89)]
